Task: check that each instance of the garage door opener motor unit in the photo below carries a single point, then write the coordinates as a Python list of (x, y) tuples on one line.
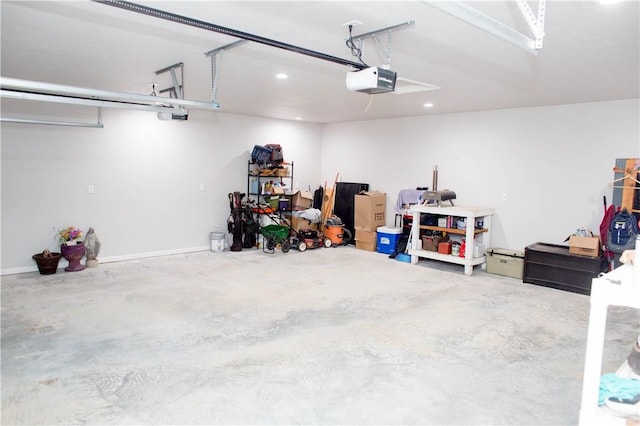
[(371, 80)]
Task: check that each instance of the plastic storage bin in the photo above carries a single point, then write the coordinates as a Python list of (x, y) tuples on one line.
[(216, 241), (551, 265), (387, 239)]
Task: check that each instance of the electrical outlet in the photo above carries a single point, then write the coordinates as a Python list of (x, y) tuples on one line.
[(504, 196), (202, 187), (90, 189)]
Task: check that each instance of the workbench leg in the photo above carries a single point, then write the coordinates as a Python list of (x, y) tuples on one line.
[(593, 362)]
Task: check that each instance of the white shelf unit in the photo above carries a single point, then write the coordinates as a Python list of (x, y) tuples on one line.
[(470, 233), (615, 288)]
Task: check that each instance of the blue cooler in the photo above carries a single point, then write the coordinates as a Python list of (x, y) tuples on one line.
[(388, 238)]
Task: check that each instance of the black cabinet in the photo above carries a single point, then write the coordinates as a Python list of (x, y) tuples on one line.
[(344, 202)]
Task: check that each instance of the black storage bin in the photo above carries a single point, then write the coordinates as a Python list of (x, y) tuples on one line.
[(551, 265)]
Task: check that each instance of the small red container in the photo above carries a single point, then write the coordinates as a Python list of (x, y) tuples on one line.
[(444, 248)]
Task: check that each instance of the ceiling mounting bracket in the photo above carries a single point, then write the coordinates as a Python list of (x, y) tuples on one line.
[(216, 61), (536, 23), (385, 52), (177, 90), (474, 17)]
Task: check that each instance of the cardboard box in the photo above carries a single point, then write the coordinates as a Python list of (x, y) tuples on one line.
[(369, 210), (301, 200), (365, 246), (277, 190), (430, 243), (366, 240), (282, 172), (509, 263), (585, 246), (298, 223)]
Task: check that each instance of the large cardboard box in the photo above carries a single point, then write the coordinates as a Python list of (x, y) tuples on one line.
[(369, 210), (509, 263), (585, 246), (366, 240), (301, 200)]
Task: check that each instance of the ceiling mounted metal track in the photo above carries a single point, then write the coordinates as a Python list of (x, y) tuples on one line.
[(134, 7)]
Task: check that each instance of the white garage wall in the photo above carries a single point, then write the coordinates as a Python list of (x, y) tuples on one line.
[(146, 175), (553, 163)]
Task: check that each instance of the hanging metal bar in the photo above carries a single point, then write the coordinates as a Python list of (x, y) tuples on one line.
[(97, 125), (65, 99), (49, 92), (134, 7), (50, 122), (215, 74)]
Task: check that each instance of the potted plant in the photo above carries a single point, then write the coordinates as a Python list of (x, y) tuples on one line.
[(47, 262), (72, 247)]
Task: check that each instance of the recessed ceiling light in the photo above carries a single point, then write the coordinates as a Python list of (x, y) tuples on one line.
[(282, 76), (428, 105), (298, 118)]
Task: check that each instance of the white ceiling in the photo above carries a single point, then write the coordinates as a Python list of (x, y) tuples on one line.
[(590, 53)]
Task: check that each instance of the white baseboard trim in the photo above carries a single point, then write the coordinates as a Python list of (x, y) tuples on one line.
[(135, 256)]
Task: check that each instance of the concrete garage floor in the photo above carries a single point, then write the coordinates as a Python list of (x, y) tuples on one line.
[(328, 336)]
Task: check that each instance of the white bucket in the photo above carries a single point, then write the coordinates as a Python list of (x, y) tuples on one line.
[(216, 240)]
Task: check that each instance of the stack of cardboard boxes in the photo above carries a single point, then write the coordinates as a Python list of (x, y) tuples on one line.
[(369, 214), (301, 200)]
